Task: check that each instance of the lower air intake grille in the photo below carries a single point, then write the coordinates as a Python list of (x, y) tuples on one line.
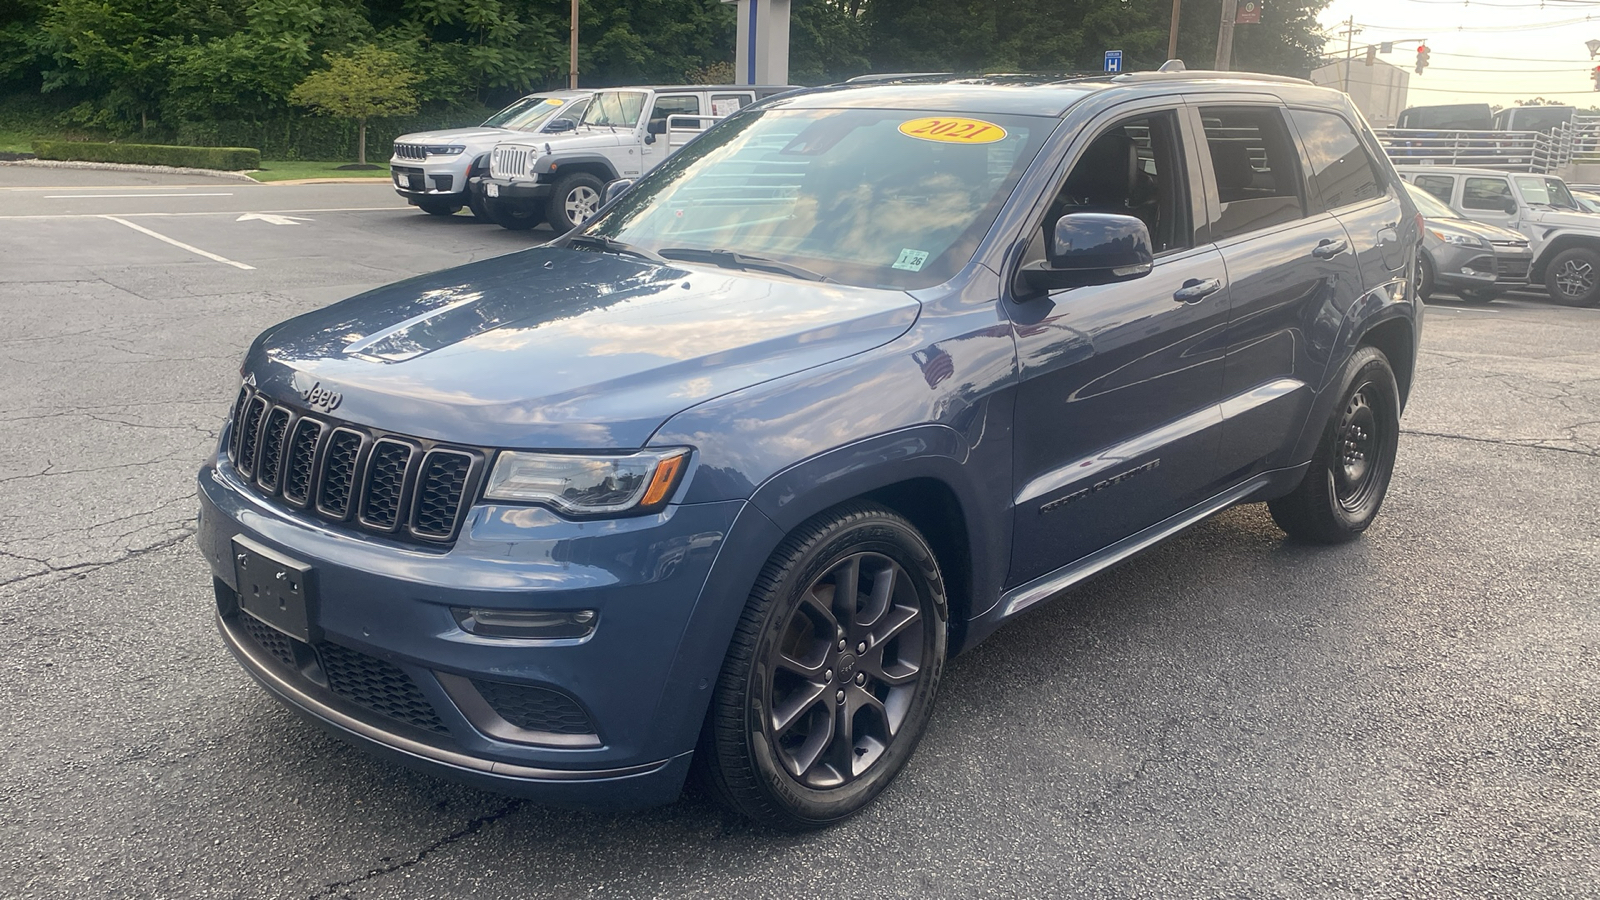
[(535, 708), (379, 686), (277, 644)]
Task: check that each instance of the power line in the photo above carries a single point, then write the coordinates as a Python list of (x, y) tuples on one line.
[(1585, 70), (1584, 4), (1576, 62), (1435, 29), (1414, 87)]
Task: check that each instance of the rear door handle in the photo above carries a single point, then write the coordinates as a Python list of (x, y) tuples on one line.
[(1328, 249), (1196, 289)]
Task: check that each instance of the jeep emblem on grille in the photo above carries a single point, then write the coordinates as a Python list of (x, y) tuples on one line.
[(320, 397)]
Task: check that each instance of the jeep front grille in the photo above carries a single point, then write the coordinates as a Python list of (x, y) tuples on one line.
[(410, 151), (507, 162), (405, 487)]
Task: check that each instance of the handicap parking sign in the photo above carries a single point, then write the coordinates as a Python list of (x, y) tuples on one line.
[(1113, 60)]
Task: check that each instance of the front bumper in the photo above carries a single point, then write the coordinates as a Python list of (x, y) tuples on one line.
[(411, 674), (446, 177), (1457, 267), (504, 190)]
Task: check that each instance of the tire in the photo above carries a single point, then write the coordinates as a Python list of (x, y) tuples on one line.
[(1573, 277), (1479, 296), (437, 207), (575, 198), (519, 217), (1424, 278), (480, 210), (792, 656), (1350, 470)]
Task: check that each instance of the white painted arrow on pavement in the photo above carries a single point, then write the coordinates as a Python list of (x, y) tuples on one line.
[(273, 218)]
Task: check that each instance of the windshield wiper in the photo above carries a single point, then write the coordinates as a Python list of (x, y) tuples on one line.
[(729, 259), (612, 245)]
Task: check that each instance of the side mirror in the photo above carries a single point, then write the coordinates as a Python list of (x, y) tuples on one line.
[(616, 188), (556, 126), (657, 126), (1511, 207), (1091, 248)]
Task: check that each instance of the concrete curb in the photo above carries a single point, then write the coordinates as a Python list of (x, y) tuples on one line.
[(383, 181), (128, 167)]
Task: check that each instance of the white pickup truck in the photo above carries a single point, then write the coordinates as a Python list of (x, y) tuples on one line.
[(623, 133), (431, 168)]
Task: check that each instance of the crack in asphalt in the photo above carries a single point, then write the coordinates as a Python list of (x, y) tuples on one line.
[(85, 568), (460, 834), (1508, 442)]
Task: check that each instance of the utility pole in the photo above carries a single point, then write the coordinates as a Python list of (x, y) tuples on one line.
[(1230, 8), (572, 80), (1350, 31), (1172, 34)]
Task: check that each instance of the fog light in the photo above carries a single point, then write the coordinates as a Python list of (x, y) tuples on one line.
[(1469, 271), (539, 625)]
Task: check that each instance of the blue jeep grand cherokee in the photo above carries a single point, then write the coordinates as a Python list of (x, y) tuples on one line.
[(725, 475)]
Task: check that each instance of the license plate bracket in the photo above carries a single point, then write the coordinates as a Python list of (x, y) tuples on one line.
[(279, 591), (492, 189)]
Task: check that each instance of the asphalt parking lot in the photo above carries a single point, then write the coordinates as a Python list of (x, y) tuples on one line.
[(1416, 714)]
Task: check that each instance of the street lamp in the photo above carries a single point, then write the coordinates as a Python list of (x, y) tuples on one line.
[(1594, 47)]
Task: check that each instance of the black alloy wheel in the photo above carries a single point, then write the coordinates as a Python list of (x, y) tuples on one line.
[(1422, 281), (1573, 277), (830, 678), (1343, 488), (435, 207)]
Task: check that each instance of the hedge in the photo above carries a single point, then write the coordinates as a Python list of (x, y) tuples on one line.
[(295, 136), (226, 158)]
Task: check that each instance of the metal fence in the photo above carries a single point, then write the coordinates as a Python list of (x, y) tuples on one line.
[(1510, 151)]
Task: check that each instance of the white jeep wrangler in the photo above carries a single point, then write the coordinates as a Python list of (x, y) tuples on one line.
[(431, 168), (624, 133)]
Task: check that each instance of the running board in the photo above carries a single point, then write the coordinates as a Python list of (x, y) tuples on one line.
[(1049, 584)]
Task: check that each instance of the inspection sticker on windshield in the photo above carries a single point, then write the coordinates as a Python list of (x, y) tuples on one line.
[(953, 130), (912, 260)]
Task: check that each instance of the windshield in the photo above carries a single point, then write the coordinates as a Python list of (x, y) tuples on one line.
[(870, 197), (619, 109), (1430, 206), (525, 114), (1545, 190)]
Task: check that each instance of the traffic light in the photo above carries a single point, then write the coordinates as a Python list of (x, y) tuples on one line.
[(1422, 57), (1596, 74)]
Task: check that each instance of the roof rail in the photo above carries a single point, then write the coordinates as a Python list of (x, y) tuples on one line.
[(1165, 74)]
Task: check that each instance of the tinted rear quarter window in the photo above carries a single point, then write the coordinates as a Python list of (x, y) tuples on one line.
[(1341, 171), (1486, 193), (1441, 186), (1256, 167)]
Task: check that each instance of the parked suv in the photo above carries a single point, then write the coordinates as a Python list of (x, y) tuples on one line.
[(431, 168), (723, 477), (1565, 239), (623, 134)]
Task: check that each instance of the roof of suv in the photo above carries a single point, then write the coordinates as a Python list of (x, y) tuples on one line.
[(1463, 170), (1046, 95)]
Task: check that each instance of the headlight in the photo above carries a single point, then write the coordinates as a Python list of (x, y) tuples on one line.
[(445, 151), (588, 485), (1456, 237)]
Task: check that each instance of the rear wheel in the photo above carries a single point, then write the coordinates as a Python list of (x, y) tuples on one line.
[(1349, 474), (436, 207), (830, 678), (1479, 296), (575, 198), (1573, 277), (515, 216), (480, 210)]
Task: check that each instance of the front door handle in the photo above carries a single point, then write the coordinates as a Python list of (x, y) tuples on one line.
[(1329, 248), (1196, 289)]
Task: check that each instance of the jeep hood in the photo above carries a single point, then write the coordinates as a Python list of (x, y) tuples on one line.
[(476, 134), (1482, 229), (554, 348), (1563, 218)]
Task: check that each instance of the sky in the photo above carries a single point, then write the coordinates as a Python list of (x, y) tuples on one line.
[(1496, 51)]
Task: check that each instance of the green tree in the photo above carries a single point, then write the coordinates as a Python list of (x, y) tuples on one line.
[(366, 82)]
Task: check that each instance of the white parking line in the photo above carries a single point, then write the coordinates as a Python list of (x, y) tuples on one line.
[(176, 243), (141, 196), (220, 212)]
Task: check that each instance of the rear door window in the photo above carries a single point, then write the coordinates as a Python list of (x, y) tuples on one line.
[(1487, 193), (673, 105), (1256, 169), (1441, 186), (1341, 171)]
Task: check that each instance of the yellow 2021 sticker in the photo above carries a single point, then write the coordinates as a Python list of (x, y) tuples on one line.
[(953, 130)]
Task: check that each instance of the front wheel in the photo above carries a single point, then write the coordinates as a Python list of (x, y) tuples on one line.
[(830, 678), (1424, 279), (1573, 277), (1349, 474), (1479, 296), (575, 198)]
